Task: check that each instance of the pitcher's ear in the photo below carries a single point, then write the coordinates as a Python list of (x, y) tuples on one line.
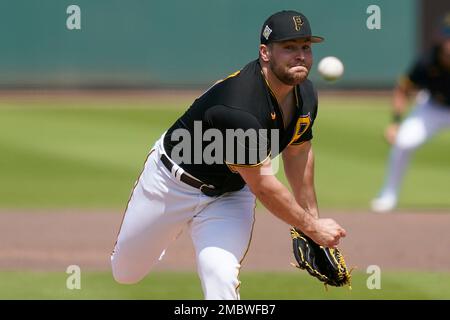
[(264, 52)]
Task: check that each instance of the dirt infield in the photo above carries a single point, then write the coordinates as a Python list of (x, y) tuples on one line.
[(50, 241)]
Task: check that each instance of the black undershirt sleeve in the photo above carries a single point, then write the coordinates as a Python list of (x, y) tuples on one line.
[(418, 74)]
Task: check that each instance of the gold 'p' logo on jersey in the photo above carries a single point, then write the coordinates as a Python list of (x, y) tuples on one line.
[(298, 22), (303, 123)]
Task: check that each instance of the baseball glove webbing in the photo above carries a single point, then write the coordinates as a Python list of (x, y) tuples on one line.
[(326, 264)]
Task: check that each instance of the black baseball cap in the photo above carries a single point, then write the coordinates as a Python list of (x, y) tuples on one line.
[(287, 25)]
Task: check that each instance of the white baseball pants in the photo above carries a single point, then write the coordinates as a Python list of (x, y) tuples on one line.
[(426, 119), (161, 206)]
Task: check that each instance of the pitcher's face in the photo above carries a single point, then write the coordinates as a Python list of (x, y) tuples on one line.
[(291, 60)]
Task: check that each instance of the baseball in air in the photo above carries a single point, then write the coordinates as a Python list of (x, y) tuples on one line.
[(330, 68)]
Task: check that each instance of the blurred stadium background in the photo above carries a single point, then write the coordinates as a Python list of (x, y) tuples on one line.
[(79, 109), (150, 44)]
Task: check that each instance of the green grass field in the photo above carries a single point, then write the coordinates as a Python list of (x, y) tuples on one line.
[(175, 285), (88, 155)]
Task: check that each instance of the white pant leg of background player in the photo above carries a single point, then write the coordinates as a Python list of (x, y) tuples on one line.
[(221, 234), (159, 208), (424, 121)]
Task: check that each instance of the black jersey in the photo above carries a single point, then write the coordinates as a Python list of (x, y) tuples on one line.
[(243, 102), (428, 74)]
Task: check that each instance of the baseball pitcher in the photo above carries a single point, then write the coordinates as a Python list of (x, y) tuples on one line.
[(206, 171)]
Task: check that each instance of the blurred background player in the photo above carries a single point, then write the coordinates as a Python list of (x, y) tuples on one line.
[(430, 77)]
